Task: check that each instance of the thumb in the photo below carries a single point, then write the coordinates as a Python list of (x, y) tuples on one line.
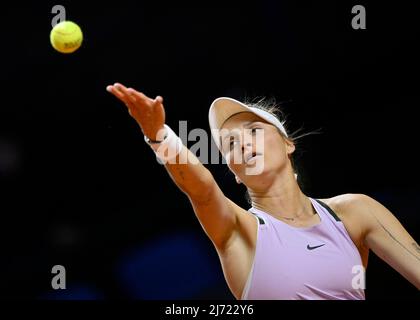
[(158, 99)]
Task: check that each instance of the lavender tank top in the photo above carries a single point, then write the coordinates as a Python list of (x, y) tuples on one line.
[(294, 263)]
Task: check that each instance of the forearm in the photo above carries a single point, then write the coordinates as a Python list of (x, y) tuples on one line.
[(190, 175), (216, 213), (183, 166)]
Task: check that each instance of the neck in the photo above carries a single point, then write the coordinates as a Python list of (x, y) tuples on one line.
[(282, 198)]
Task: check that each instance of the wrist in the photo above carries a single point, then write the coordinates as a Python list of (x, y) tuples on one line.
[(167, 145), (161, 135)]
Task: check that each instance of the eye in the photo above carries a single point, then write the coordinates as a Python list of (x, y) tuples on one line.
[(232, 144)]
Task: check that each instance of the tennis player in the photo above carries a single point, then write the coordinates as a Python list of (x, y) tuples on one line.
[(287, 245)]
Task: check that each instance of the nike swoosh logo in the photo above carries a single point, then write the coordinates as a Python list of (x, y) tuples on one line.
[(312, 248)]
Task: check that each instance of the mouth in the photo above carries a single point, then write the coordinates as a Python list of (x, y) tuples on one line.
[(251, 158)]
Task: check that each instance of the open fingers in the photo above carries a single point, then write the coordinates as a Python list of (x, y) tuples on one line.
[(128, 99), (133, 99), (120, 91), (111, 89), (117, 92), (140, 97)]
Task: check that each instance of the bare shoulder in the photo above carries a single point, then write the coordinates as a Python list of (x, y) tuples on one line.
[(356, 208), (354, 211), (350, 204)]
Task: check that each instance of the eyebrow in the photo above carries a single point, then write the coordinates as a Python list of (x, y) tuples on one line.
[(245, 125), (250, 123), (226, 136)]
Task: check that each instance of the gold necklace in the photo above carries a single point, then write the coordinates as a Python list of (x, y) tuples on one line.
[(288, 218), (293, 219)]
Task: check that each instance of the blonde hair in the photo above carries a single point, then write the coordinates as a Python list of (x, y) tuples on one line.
[(271, 106)]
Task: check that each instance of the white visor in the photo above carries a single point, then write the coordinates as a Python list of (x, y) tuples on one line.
[(223, 108)]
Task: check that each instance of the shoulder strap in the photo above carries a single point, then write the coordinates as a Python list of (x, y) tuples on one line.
[(260, 220), (329, 210)]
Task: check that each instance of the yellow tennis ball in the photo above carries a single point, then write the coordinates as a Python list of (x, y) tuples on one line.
[(66, 37)]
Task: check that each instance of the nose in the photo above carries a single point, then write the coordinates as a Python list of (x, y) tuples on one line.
[(248, 144), (244, 145)]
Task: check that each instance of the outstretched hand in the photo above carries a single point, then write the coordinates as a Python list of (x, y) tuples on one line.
[(149, 113)]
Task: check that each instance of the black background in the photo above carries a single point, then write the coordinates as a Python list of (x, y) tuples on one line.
[(80, 188)]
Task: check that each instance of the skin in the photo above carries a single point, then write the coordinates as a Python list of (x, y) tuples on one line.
[(233, 230)]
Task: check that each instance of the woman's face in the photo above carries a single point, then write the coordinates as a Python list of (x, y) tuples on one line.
[(252, 147)]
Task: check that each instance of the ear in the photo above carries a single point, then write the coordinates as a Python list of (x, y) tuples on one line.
[(290, 147), (238, 181)]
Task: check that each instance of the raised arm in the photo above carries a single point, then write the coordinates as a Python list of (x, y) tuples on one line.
[(216, 213)]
